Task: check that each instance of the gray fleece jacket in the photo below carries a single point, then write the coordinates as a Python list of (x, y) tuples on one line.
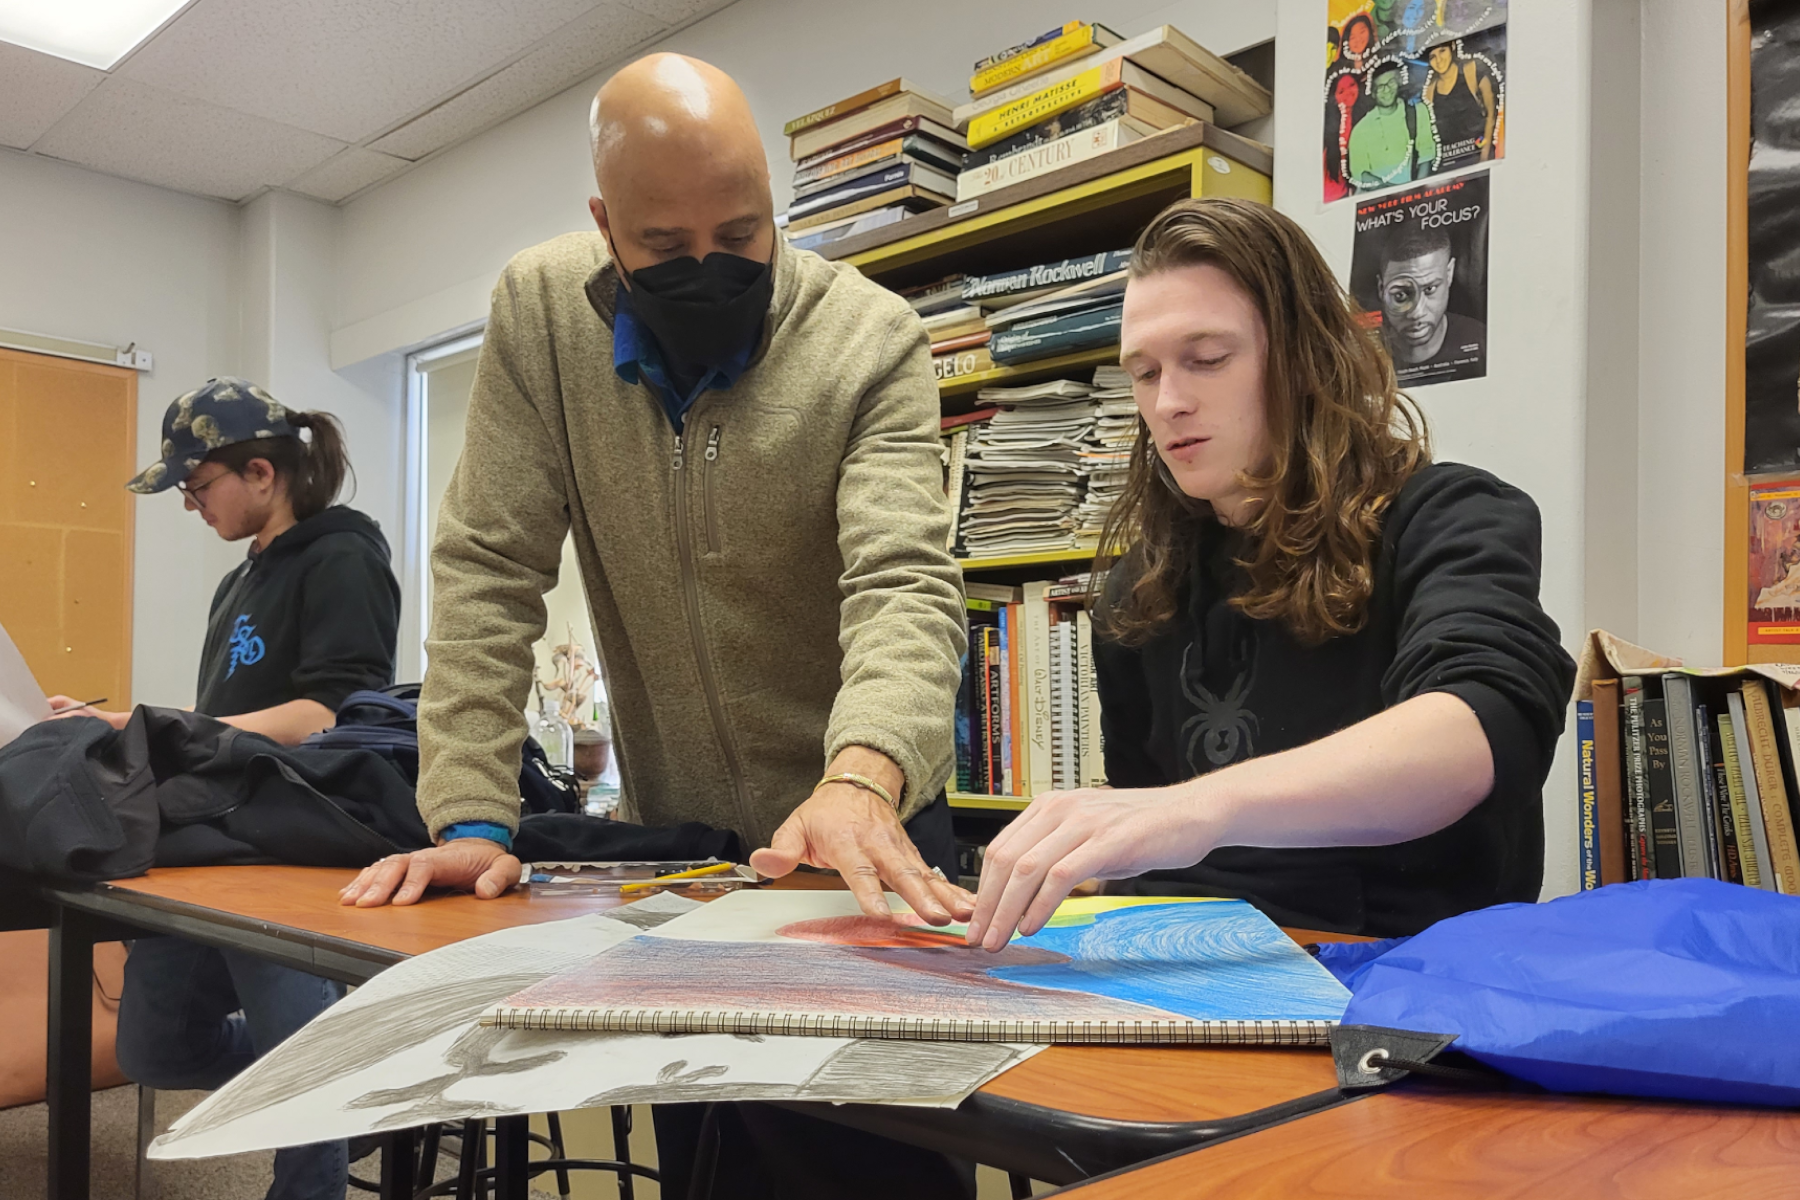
[(765, 591)]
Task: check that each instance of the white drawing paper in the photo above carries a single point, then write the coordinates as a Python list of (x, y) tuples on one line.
[(405, 1050), (22, 701)]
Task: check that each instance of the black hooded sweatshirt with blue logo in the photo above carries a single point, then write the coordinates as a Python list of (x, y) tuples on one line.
[(312, 617)]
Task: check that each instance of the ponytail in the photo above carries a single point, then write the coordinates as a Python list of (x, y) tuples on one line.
[(313, 467), (324, 463)]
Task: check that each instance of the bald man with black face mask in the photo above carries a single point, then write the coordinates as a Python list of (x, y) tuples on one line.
[(743, 440)]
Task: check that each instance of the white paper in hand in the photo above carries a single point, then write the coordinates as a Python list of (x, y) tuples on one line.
[(22, 701)]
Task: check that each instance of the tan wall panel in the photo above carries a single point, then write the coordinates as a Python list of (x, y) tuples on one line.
[(9, 445), (68, 432), (69, 426), (95, 622), (31, 594)]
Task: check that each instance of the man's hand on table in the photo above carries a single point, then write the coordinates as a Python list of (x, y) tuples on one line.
[(468, 864), (851, 830)]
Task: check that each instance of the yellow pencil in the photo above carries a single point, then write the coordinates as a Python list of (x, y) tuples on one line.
[(660, 880)]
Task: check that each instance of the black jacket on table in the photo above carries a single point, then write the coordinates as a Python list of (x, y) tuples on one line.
[(1455, 609), (314, 616)]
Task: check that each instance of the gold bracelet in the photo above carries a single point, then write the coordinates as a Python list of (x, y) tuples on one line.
[(859, 781)]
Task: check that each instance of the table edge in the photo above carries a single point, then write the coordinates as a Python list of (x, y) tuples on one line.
[(325, 954)]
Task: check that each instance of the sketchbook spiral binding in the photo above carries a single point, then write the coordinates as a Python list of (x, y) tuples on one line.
[(1151, 1032)]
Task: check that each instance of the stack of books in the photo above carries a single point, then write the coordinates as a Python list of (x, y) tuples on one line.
[(870, 160), (1080, 91), (1106, 457), (1024, 477), (1031, 312), (1028, 714), (1689, 775)]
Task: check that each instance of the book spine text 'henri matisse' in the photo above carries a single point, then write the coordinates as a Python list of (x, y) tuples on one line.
[(787, 1024), (1041, 106)]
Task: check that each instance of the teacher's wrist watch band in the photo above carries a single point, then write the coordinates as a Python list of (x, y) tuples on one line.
[(860, 781)]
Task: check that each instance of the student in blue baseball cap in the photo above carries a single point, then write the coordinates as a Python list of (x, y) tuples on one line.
[(310, 616)]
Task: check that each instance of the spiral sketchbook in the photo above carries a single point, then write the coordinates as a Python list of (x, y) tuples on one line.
[(1105, 969)]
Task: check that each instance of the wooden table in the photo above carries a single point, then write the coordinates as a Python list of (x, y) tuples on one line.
[(1067, 1114), (1424, 1140)]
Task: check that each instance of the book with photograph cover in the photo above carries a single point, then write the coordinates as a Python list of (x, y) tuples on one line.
[(1773, 563)]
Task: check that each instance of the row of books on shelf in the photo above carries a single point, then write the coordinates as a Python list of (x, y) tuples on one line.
[(1021, 315), (1688, 775), (1040, 467), (1074, 92), (1028, 713)]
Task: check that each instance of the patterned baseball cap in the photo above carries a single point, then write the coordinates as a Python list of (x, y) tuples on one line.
[(225, 411)]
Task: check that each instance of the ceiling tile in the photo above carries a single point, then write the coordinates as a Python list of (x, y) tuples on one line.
[(37, 89), (679, 12), (352, 170), (140, 132), (348, 69), (607, 34)]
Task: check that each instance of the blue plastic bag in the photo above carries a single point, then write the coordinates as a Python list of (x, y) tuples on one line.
[(1686, 988)]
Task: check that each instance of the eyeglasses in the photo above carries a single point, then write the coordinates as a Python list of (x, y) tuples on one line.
[(195, 493)]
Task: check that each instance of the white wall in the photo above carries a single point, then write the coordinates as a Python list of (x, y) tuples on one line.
[(98, 259), (289, 260), (420, 254), (1682, 303), (210, 289)]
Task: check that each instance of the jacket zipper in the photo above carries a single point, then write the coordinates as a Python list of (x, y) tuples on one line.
[(709, 684), (711, 506)]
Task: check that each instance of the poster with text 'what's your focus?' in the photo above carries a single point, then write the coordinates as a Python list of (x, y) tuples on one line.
[(1419, 271)]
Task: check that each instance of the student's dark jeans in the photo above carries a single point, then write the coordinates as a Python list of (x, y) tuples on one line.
[(192, 1016)]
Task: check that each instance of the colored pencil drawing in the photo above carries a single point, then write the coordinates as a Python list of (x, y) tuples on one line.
[(814, 955)]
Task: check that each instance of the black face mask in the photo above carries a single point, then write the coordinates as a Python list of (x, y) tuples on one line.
[(703, 314)]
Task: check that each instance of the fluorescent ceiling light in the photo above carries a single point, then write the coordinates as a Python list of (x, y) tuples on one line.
[(96, 33)]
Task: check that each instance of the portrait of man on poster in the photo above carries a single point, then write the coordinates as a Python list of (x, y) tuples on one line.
[(1426, 339)]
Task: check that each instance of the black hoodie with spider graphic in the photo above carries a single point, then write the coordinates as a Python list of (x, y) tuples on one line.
[(1455, 609)]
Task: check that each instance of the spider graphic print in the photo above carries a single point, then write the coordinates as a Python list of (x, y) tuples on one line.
[(1222, 730)]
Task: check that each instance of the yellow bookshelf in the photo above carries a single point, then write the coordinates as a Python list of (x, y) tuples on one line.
[(993, 803), (1036, 558), (1110, 197)]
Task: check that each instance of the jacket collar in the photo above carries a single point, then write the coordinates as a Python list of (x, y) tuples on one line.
[(602, 290)]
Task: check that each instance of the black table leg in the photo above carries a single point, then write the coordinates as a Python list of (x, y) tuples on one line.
[(512, 1156), (397, 1165), (70, 1075)]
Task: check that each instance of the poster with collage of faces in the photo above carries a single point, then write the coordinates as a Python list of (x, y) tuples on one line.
[(1415, 96)]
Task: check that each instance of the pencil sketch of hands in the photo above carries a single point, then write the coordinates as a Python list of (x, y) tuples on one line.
[(405, 1049)]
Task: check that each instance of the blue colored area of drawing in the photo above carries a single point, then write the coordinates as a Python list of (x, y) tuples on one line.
[(1217, 960)]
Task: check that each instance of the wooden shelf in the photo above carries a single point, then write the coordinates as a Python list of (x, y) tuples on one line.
[(1025, 372), (1186, 159), (1034, 559), (1000, 803)]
